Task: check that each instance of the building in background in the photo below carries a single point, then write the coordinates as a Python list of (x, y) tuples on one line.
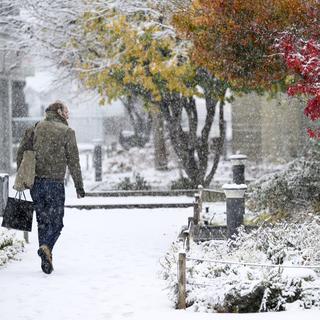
[(90, 120), (269, 129), (14, 68)]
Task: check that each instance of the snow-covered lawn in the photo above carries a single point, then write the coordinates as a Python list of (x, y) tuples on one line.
[(106, 267)]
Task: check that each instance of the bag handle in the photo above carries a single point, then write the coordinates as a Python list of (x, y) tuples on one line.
[(20, 193)]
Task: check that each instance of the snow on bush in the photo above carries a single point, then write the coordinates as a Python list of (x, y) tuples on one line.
[(139, 183), (217, 287), (296, 186), (9, 246)]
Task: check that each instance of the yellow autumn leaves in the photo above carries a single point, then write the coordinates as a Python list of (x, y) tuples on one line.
[(123, 55)]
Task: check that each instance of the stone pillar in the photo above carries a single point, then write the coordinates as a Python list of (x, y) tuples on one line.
[(235, 206), (238, 168), (5, 126)]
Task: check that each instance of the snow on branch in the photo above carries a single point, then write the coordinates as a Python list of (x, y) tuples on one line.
[(46, 28)]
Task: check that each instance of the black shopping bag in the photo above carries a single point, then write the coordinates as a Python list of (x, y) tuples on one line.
[(18, 214)]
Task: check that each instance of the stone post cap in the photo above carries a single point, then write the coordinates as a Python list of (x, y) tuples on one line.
[(3, 175), (233, 190), (238, 159)]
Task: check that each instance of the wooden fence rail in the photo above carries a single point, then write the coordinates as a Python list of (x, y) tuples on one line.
[(206, 194), (129, 206)]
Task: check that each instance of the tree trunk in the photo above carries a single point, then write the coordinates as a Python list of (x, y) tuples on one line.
[(193, 150), (218, 145), (141, 122), (160, 150)]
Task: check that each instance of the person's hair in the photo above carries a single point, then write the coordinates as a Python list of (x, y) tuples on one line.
[(58, 105)]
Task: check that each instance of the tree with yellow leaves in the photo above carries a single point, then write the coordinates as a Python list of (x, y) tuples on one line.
[(129, 55)]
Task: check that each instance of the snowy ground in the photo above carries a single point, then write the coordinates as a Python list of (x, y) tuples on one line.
[(121, 164), (106, 263), (106, 267)]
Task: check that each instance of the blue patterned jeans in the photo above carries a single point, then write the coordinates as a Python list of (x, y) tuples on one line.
[(48, 197)]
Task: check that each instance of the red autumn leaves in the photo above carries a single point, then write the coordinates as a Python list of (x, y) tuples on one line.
[(303, 57), (257, 44)]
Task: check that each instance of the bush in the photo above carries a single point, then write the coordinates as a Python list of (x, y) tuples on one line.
[(138, 184), (182, 184), (214, 287), (296, 187), (9, 246)]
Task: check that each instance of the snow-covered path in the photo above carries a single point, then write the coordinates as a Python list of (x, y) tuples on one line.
[(106, 265)]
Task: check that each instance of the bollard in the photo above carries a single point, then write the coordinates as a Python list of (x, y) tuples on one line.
[(200, 192), (235, 206), (97, 160), (4, 191), (196, 211), (238, 168)]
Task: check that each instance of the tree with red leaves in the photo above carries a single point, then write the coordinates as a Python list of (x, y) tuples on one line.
[(234, 39), (303, 57), (239, 41)]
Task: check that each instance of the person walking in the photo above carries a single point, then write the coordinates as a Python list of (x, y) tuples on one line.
[(55, 147)]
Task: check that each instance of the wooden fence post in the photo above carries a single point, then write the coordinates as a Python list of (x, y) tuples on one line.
[(182, 280), (186, 240), (190, 227)]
